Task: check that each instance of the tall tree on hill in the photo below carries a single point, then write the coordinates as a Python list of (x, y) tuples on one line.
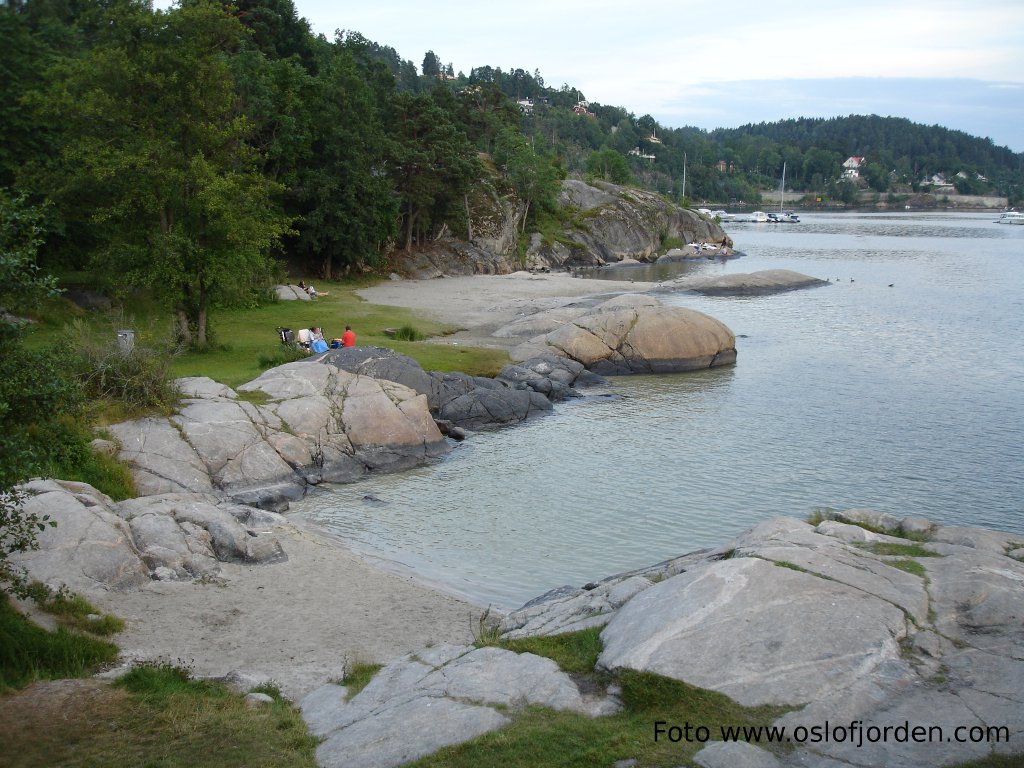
[(432, 162), (154, 132), (347, 206), (431, 65), (533, 175)]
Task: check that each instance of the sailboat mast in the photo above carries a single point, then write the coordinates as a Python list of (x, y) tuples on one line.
[(782, 187)]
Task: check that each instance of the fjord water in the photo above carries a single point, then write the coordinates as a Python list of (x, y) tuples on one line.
[(906, 398)]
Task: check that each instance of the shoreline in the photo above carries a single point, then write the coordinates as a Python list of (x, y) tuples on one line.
[(302, 622)]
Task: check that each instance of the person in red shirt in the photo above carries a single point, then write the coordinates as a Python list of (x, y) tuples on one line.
[(348, 338)]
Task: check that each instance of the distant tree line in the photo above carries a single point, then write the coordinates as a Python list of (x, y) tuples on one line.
[(192, 151)]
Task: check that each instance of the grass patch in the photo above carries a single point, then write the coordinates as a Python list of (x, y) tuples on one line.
[(409, 333), (910, 566), (897, 550), (574, 652), (789, 565), (254, 396), (358, 676), (156, 716), (73, 611), (540, 737), (284, 353), (29, 652)]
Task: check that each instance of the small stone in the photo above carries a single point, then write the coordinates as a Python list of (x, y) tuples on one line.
[(257, 700)]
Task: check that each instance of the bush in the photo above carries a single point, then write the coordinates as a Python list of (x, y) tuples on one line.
[(409, 333), (140, 379)]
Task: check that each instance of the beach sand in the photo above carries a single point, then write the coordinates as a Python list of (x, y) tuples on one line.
[(479, 304), (302, 621)]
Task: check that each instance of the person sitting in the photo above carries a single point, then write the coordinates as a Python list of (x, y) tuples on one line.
[(348, 338), (316, 339)]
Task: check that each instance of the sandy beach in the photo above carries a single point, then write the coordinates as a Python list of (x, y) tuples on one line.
[(302, 621), (479, 304)]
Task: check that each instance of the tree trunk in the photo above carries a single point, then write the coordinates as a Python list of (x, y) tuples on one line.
[(183, 331), (408, 229), (525, 214), (201, 319), (469, 220)]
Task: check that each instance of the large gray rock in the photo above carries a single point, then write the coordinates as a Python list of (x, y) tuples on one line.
[(750, 284), (637, 334), (90, 547), (788, 637), (98, 544), (318, 424), (436, 697), (621, 224)]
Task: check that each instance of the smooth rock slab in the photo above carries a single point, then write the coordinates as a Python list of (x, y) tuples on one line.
[(436, 697), (754, 631)]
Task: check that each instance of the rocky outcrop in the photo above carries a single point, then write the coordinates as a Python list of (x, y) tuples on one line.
[(303, 425), (609, 224), (838, 621), (468, 402), (291, 293), (98, 544), (396, 718), (614, 223), (636, 334), (847, 625), (748, 284)]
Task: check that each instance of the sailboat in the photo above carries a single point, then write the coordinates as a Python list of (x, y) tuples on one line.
[(781, 217)]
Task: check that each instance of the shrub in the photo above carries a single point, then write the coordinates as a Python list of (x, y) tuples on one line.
[(140, 378), (409, 333)]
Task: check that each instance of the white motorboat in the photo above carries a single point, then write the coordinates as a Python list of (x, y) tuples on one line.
[(1011, 217)]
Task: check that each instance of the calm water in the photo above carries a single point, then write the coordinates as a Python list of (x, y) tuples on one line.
[(908, 399)]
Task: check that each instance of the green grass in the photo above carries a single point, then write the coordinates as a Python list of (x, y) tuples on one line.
[(29, 652), (897, 550), (540, 737), (73, 611), (358, 676), (242, 336), (910, 566), (157, 717), (573, 652)]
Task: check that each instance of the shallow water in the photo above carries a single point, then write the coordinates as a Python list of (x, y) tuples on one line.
[(908, 399)]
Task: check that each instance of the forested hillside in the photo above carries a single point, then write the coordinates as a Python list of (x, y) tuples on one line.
[(190, 151)]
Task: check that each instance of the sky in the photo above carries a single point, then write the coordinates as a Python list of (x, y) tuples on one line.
[(723, 64)]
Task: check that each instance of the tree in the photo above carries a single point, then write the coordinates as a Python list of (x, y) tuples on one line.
[(34, 391), (432, 161), (155, 135), (609, 165), (347, 206), (431, 65), (533, 176)]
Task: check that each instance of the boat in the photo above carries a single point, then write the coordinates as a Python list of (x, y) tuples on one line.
[(783, 217), (1011, 217)]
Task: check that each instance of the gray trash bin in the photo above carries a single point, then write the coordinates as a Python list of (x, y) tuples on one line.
[(126, 341)]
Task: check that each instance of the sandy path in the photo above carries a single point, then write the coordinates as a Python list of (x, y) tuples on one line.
[(298, 622)]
